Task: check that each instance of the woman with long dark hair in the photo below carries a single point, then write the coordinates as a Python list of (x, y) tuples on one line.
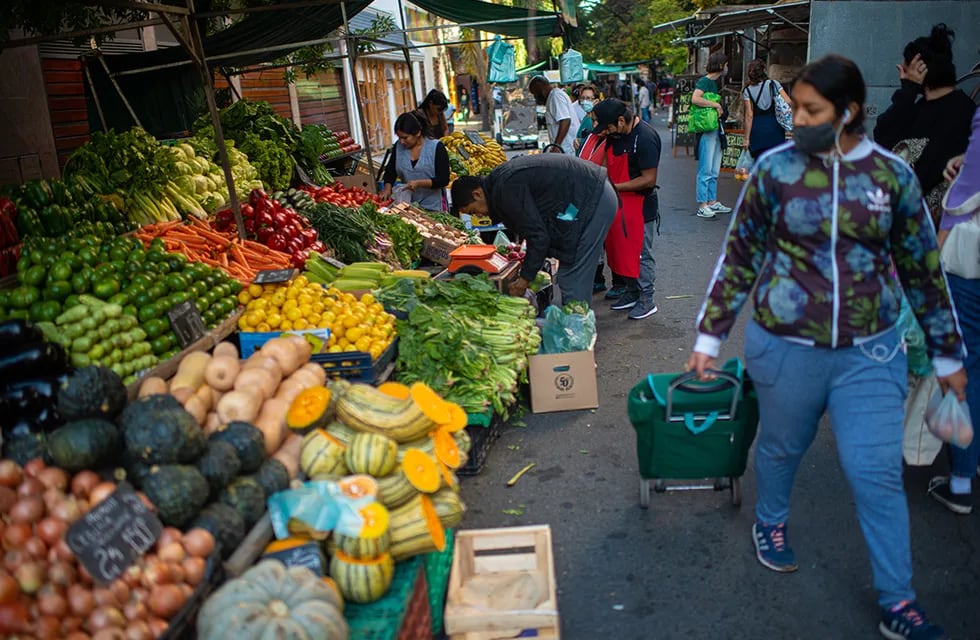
[(762, 130), (816, 230), (434, 107), (419, 161)]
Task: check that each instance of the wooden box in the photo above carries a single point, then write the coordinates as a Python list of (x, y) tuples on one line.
[(502, 584)]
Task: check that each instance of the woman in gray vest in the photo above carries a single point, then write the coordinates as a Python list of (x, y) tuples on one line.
[(419, 162)]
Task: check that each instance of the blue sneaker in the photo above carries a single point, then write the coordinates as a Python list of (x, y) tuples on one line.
[(598, 287), (616, 292), (908, 622), (771, 547)]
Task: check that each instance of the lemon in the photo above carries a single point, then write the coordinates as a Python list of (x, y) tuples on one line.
[(244, 297), (243, 324), (335, 348), (317, 306), (254, 290), (270, 287), (305, 309), (329, 316), (363, 343), (286, 325), (350, 321), (293, 314), (259, 303), (291, 293), (367, 299), (254, 318), (263, 327), (376, 351), (313, 318), (354, 333), (300, 281), (300, 323), (277, 300), (322, 324), (288, 305), (304, 298), (273, 319)]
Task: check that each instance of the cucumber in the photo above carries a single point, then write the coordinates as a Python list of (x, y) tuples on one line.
[(353, 285)]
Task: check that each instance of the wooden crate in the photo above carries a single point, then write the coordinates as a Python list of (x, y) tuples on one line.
[(492, 566)]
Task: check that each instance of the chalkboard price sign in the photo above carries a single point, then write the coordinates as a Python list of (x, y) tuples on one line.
[(274, 276), (305, 555), (333, 262), (729, 157), (185, 320), (475, 138), (116, 531)]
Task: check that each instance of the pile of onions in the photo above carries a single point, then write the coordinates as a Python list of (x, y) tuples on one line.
[(46, 593)]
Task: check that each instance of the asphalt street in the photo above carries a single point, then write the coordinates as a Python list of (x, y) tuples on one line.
[(685, 568)]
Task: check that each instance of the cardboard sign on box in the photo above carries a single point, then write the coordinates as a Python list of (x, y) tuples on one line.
[(563, 381)]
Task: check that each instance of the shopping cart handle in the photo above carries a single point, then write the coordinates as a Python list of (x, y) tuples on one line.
[(688, 382)]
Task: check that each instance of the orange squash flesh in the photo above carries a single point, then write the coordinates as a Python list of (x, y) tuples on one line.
[(395, 390), (429, 402), (358, 486), (309, 409), (457, 418), (376, 519), (447, 475), (446, 449), (433, 523), (343, 557), (421, 470)]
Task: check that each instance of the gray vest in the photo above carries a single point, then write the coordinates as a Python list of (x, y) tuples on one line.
[(424, 169)]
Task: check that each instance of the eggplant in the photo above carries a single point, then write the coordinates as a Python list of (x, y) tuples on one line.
[(44, 387), (14, 333), (33, 360)]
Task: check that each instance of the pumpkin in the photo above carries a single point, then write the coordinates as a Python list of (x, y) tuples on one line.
[(362, 580), (449, 507), (373, 454), (310, 409), (273, 601), (463, 441), (358, 486), (395, 390), (421, 470), (321, 454), (374, 538), (445, 448), (395, 490), (415, 529), (429, 402), (457, 418), (447, 477), (364, 408)]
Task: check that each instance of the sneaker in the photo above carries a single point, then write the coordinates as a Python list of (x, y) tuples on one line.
[(771, 547), (705, 212), (627, 301), (719, 208), (645, 308), (598, 287), (616, 292), (961, 503), (909, 623)]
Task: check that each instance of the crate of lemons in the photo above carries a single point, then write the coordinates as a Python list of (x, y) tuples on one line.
[(356, 324)]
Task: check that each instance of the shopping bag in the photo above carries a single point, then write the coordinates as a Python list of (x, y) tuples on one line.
[(502, 67), (784, 112), (702, 119), (919, 446), (401, 195), (571, 67), (919, 363), (949, 419), (743, 166)]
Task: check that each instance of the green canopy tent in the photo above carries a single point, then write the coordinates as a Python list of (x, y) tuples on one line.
[(495, 18)]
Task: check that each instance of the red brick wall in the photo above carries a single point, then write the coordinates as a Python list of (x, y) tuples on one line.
[(65, 87), (322, 100)]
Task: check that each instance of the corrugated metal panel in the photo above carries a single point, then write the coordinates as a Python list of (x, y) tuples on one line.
[(321, 100), (65, 87)]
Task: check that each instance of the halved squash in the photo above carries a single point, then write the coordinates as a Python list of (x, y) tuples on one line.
[(395, 490), (374, 538), (322, 455), (362, 580), (449, 507), (421, 470), (358, 486), (416, 529), (432, 406), (311, 409), (395, 390), (446, 449), (448, 477), (458, 418)]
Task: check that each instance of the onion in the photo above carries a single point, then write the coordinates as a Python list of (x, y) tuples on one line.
[(199, 543), (110, 633), (83, 483), (15, 535), (105, 618), (86, 577), (8, 497), (27, 509), (34, 467), (120, 590), (47, 627), (104, 597), (158, 627), (35, 548), (166, 600), (135, 610), (193, 570), (10, 474), (187, 590), (9, 589), (13, 617), (78, 635), (70, 624), (139, 630), (30, 576), (68, 510), (168, 536), (155, 573), (51, 529), (63, 551), (176, 572), (30, 487), (132, 575), (172, 552), (61, 573), (100, 492), (54, 478), (81, 602), (52, 498), (13, 559), (52, 603)]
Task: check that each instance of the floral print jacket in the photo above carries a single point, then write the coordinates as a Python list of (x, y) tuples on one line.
[(820, 238)]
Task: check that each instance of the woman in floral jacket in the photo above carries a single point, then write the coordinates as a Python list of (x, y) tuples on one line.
[(817, 226)]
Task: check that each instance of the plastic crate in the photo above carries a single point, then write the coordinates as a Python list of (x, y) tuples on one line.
[(481, 440), (437, 566), (357, 366), (182, 626), (251, 341), (401, 614)]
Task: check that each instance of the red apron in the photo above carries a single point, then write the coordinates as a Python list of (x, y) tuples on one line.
[(593, 150), (624, 242)]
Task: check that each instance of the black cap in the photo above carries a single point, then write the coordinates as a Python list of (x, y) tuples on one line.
[(608, 112)]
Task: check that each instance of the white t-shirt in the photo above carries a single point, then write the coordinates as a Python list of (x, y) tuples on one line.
[(644, 97), (761, 94), (558, 108)]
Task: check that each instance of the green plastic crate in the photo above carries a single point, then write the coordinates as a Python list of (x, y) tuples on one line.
[(382, 620), (437, 566), (479, 419)]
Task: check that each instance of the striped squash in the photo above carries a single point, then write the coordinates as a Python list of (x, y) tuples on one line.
[(415, 529), (362, 580), (374, 538), (463, 441), (395, 490), (372, 453), (449, 507), (322, 455)]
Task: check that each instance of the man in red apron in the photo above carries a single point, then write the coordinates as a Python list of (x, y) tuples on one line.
[(632, 158)]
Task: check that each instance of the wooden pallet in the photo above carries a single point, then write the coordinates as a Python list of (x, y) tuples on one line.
[(502, 584)]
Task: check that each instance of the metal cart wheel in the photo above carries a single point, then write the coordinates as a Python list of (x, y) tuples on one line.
[(644, 493), (660, 486), (736, 486)]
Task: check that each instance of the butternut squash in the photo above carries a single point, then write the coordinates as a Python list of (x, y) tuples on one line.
[(152, 385), (317, 370), (211, 423), (204, 394), (302, 345), (182, 394), (288, 454), (286, 353), (261, 361), (257, 381), (225, 349), (289, 389), (272, 423), (221, 372), (239, 405), (306, 378), (190, 372), (195, 407)]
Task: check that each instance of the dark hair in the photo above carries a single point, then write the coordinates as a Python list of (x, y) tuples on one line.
[(436, 99), (538, 80), (936, 52), (839, 80), (717, 62), (463, 188), (587, 87), (412, 123), (757, 71)]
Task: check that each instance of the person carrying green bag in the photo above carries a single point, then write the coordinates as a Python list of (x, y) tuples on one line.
[(706, 109)]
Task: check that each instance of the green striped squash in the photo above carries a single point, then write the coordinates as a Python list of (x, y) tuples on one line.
[(362, 580), (395, 489), (372, 453), (415, 529), (449, 507), (322, 455)]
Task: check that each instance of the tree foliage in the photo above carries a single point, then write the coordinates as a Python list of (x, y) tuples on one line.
[(614, 31)]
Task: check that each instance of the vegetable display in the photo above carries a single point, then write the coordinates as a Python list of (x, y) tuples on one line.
[(434, 225), (203, 181), (475, 159), (54, 208), (338, 194), (364, 234)]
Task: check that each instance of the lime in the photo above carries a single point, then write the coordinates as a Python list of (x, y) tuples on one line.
[(60, 270), (34, 277)]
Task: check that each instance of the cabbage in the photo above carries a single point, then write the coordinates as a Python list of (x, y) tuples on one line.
[(201, 184), (187, 149), (179, 154)]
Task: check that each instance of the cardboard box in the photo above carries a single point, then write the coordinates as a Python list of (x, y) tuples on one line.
[(361, 180), (437, 250), (563, 381)]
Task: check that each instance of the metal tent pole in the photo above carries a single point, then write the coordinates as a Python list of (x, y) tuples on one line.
[(408, 58), (352, 64), (119, 90)]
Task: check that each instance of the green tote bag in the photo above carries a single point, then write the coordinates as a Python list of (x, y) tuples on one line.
[(703, 119)]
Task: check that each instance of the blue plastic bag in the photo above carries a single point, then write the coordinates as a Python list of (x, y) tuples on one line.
[(502, 67), (571, 66), (919, 363), (565, 332)]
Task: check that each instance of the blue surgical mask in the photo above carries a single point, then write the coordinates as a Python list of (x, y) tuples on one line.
[(586, 105)]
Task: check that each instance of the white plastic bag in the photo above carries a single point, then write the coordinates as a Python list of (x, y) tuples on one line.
[(744, 166), (949, 419), (919, 446), (402, 195)]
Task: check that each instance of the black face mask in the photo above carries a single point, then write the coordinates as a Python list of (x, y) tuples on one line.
[(819, 138), (614, 136)]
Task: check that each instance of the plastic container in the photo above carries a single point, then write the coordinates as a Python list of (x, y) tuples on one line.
[(403, 613), (357, 366), (437, 566), (481, 440)]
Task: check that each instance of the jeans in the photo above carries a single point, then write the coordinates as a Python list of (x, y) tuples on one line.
[(575, 279), (645, 114), (709, 166), (966, 297), (863, 388), (648, 266)]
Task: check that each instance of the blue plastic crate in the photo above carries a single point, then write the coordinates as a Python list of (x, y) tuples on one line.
[(357, 366), (251, 341)]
